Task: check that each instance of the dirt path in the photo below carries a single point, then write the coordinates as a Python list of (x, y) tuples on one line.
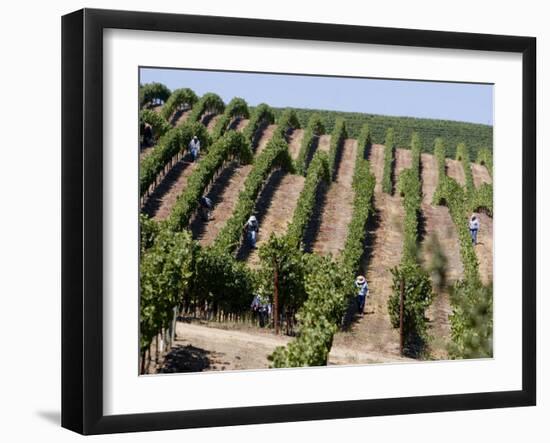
[(374, 333), (484, 248), (276, 213), (265, 137), (224, 194), (481, 175), (239, 124), (145, 151), (210, 121), (180, 117), (203, 348), (294, 143), (455, 170), (438, 223), (338, 208), (162, 200)]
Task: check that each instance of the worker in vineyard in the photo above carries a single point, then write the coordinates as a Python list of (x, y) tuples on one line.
[(205, 205), (194, 147), (261, 307), (251, 229), (363, 291), (474, 228)]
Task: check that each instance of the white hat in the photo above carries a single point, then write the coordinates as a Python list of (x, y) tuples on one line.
[(252, 218), (360, 279)]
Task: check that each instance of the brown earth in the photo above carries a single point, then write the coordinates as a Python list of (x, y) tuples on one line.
[(295, 142), (210, 121), (338, 208), (374, 333), (160, 203), (481, 175), (455, 170), (200, 348), (239, 124), (265, 137), (278, 211), (180, 117)]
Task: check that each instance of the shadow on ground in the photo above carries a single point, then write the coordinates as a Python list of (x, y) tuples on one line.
[(185, 359)]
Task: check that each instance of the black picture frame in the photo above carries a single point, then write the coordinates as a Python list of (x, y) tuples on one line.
[(82, 218)]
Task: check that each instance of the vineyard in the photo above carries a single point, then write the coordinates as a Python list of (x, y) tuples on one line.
[(335, 195)]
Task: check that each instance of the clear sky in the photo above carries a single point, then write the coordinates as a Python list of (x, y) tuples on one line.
[(439, 100)]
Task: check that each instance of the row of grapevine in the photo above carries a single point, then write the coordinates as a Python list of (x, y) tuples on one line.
[(389, 153), (338, 135), (155, 120), (463, 155), (472, 317), (418, 294), (262, 115), (275, 155), (485, 158), (231, 145), (208, 103), (317, 172), (153, 93), (328, 283), (236, 108), (314, 129), (180, 99), (287, 120), (169, 145)]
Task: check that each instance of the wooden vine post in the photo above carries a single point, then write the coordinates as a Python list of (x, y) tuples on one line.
[(276, 296), (401, 315)]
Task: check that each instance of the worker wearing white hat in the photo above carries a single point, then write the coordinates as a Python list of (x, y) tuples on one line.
[(361, 285), (251, 229)]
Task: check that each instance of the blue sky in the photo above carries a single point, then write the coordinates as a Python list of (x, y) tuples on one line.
[(449, 101)]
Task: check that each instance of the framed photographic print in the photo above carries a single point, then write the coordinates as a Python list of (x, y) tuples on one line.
[(269, 221)]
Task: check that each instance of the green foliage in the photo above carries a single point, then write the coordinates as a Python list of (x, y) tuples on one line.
[(275, 155), (287, 120), (337, 138), (319, 317), (476, 136), (208, 103), (437, 268), (148, 231), (183, 98), (472, 320), (485, 157), (291, 266), (387, 177), (232, 144), (169, 145), (363, 185), (165, 272), (237, 108), (318, 172), (158, 123), (262, 115), (153, 93), (221, 281), (482, 199), (418, 296), (315, 128), (439, 153)]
